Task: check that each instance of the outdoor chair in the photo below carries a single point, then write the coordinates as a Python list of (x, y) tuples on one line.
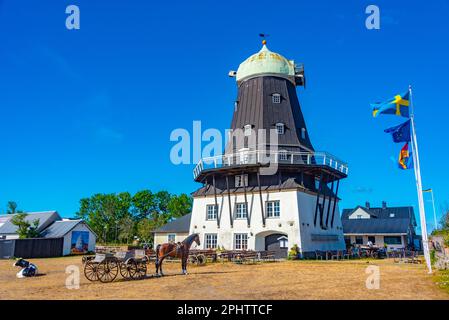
[(336, 255), (318, 255)]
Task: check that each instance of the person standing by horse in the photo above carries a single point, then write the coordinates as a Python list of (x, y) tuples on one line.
[(175, 250)]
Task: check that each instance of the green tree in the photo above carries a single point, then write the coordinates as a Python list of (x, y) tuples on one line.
[(126, 229), (143, 203), (104, 212), (120, 217), (180, 205), (11, 207), (25, 229), (145, 228)]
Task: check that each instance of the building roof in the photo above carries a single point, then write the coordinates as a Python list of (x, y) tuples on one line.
[(265, 62), (384, 213), (181, 224), (45, 219), (384, 220), (376, 226), (288, 184), (3, 219), (60, 228)]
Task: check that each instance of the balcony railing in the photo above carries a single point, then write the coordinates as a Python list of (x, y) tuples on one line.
[(267, 157)]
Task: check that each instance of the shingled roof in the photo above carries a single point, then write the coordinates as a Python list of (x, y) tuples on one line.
[(180, 225), (386, 220), (373, 226)]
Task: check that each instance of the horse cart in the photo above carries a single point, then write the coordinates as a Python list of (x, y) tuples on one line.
[(105, 267)]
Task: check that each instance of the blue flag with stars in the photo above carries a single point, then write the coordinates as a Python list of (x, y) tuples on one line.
[(400, 133)]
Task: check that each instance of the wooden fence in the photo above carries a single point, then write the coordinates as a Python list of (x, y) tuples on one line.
[(33, 248)]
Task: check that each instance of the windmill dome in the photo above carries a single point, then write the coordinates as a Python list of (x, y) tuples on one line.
[(265, 62)]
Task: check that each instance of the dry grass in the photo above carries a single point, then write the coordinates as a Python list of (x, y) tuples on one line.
[(282, 280)]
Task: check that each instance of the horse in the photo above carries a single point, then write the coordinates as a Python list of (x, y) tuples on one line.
[(175, 250), (28, 269)]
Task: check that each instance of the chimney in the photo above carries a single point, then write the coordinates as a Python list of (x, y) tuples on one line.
[(367, 205), (384, 205)]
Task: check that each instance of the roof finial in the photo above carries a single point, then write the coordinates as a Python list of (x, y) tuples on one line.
[(263, 35)]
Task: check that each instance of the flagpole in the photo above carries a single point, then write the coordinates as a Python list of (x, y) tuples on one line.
[(422, 212), (434, 212)]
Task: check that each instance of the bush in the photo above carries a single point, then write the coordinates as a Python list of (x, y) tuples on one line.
[(293, 253)]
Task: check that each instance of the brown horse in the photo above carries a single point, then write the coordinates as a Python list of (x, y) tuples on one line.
[(175, 250)]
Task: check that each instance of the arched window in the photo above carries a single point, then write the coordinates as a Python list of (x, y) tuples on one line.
[(276, 98), (280, 128), (303, 133)]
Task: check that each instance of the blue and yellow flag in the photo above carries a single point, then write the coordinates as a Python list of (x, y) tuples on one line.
[(399, 106)]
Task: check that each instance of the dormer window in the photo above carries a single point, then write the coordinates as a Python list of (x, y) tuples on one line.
[(280, 128), (276, 98), (247, 129), (241, 180), (283, 155), (303, 133)]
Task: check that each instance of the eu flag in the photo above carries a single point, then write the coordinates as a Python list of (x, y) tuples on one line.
[(399, 106), (400, 133)]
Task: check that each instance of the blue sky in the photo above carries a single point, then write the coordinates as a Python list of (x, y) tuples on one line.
[(91, 110)]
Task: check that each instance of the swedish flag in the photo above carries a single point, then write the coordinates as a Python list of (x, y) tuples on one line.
[(399, 106)]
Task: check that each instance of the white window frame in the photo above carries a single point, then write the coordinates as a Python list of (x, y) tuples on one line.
[(283, 242), (273, 208), (210, 241), (280, 128), (241, 210), (171, 235), (283, 155), (211, 209), (276, 98), (241, 180), (241, 241), (247, 130)]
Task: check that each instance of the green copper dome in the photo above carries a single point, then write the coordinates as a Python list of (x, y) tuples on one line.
[(265, 62)]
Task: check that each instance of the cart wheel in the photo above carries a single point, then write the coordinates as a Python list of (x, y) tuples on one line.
[(91, 271), (107, 270), (141, 270), (201, 259), (193, 259), (128, 270)]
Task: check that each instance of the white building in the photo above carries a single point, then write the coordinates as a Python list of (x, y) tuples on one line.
[(241, 205), (57, 237), (393, 227)]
